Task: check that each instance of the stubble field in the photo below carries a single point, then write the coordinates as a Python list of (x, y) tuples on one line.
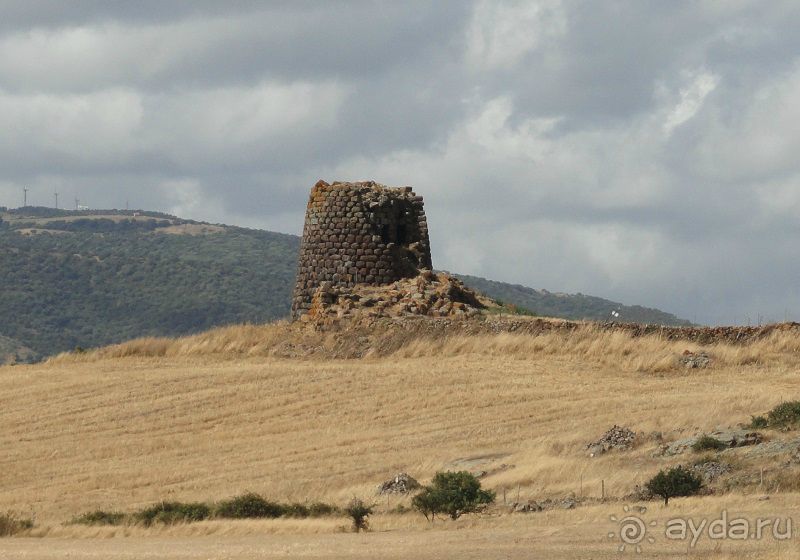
[(205, 419)]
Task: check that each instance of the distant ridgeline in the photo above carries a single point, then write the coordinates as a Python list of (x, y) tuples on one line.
[(84, 279), (569, 306), (88, 278)]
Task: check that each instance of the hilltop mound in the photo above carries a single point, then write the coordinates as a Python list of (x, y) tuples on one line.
[(95, 277), (364, 335), (429, 294)]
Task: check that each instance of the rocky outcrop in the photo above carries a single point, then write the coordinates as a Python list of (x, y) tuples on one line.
[(726, 438), (402, 483), (617, 437), (429, 294)]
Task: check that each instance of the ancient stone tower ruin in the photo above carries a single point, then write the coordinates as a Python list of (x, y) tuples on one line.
[(359, 233)]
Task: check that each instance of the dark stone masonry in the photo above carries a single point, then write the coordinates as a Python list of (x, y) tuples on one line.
[(359, 233)]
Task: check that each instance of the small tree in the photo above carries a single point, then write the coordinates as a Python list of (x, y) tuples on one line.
[(427, 503), (454, 494), (677, 481), (358, 512)]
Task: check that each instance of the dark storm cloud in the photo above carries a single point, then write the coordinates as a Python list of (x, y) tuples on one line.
[(644, 151)]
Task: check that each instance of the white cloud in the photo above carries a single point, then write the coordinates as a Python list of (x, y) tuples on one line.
[(691, 99), (92, 128), (188, 128), (502, 33)]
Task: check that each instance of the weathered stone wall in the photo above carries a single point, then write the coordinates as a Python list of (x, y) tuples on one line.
[(360, 233)]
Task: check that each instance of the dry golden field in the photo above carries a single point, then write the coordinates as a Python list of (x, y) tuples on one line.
[(210, 416)]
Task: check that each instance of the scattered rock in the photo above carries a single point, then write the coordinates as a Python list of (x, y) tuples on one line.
[(711, 470), (640, 494), (402, 483), (730, 438), (777, 447), (429, 294), (617, 437), (690, 360), (568, 503), (526, 508)]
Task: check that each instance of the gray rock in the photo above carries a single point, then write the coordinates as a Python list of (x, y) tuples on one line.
[(711, 470), (617, 437), (526, 508), (731, 438), (402, 483), (692, 361)]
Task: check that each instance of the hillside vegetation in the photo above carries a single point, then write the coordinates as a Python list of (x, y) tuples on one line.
[(213, 415), (79, 281), (569, 306), (89, 278)]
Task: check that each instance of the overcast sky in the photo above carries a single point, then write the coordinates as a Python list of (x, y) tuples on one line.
[(647, 152)]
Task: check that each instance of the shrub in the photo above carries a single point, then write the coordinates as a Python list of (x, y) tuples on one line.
[(11, 524), (173, 512), (708, 443), (677, 481), (454, 494), (759, 422), (321, 509), (400, 509), (296, 510), (246, 506), (785, 414), (358, 512), (100, 517)]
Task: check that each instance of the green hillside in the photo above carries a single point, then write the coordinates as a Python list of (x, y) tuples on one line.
[(90, 278), (79, 281), (13, 351), (569, 306)]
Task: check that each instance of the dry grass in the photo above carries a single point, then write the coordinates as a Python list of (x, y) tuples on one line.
[(651, 354), (210, 416)]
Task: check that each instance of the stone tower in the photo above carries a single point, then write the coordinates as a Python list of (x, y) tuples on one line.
[(359, 233)]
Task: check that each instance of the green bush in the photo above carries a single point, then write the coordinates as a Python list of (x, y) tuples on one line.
[(100, 517), (321, 509), (400, 509), (296, 510), (708, 443), (11, 524), (677, 481), (173, 512), (247, 506), (358, 512), (786, 414), (759, 422), (454, 494)]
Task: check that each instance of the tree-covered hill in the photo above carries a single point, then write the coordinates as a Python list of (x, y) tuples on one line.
[(88, 278), (13, 351), (569, 306), (91, 282)]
